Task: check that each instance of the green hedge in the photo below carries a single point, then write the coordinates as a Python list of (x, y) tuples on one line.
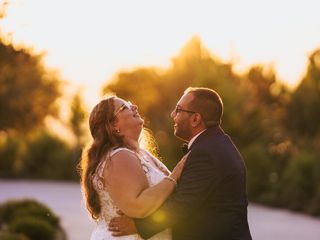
[(6, 235), (40, 156), (33, 228), (28, 220)]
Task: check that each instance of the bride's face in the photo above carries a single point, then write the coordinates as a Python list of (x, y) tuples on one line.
[(128, 121)]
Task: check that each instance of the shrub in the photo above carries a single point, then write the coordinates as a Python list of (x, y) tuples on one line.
[(258, 170), (299, 183), (48, 157), (314, 206), (28, 218), (12, 210), (33, 228), (9, 155), (5, 235)]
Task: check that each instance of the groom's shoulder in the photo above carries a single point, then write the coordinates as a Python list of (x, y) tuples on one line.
[(212, 138), (215, 144)]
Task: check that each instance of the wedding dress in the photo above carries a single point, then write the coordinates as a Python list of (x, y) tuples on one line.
[(108, 207)]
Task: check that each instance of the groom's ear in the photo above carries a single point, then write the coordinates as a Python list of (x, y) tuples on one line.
[(196, 120)]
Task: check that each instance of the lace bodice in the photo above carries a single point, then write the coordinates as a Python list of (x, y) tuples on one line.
[(154, 173)]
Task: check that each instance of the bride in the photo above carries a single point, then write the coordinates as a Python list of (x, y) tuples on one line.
[(117, 174)]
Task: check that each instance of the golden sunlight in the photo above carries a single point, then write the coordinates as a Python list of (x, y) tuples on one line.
[(88, 42)]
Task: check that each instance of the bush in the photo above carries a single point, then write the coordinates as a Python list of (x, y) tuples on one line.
[(23, 208), (29, 218), (48, 157), (9, 155), (258, 170), (33, 228), (5, 235), (41, 156), (299, 185), (314, 206)]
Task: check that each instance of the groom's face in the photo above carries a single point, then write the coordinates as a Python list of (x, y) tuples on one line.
[(181, 117)]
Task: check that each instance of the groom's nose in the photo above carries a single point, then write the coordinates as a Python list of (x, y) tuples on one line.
[(172, 114)]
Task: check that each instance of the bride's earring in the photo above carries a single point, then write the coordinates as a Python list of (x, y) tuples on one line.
[(116, 131)]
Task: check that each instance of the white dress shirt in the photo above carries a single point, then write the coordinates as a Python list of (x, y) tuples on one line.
[(194, 138)]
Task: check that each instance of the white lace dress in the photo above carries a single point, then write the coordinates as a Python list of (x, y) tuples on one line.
[(108, 207)]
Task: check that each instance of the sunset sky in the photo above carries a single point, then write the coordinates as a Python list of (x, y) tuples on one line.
[(89, 41)]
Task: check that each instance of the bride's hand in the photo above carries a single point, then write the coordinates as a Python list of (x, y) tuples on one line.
[(176, 172)]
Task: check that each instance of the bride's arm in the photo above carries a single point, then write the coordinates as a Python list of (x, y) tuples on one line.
[(128, 185)]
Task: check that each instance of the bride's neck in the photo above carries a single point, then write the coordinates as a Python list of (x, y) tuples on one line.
[(132, 144)]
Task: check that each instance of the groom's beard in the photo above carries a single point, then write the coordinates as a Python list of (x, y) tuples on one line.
[(183, 131)]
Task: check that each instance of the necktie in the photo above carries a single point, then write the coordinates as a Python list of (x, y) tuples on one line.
[(184, 148)]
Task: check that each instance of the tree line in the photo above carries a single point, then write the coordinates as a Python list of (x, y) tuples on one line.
[(276, 128)]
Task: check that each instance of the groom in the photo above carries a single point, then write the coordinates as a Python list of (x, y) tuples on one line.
[(210, 201)]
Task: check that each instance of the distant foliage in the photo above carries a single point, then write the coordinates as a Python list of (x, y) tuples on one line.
[(10, 155), (77, 120), (303, 110), (47, 157), (277, 130), (40, 156), (28, 94), (300, 183), (28, 91)]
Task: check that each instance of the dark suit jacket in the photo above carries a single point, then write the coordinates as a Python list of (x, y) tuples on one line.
[(210, 201)]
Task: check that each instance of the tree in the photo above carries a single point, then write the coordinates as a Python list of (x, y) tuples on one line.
[(77, 117), (28, 91), (156, 91), (303, 110), (255, 111), (78, 114)]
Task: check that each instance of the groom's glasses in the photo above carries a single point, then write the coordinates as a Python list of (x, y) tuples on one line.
[(125, 105), (179, 109)]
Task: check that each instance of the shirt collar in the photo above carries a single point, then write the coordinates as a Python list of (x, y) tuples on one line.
[(194, 138)]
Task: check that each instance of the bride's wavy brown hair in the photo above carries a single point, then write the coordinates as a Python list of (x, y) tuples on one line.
[(104, 139), (100, 123)]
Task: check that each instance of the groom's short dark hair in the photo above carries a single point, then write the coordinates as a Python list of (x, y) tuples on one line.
[(208, 103)]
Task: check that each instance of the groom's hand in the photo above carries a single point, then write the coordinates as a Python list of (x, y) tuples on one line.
[(121, 226)]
